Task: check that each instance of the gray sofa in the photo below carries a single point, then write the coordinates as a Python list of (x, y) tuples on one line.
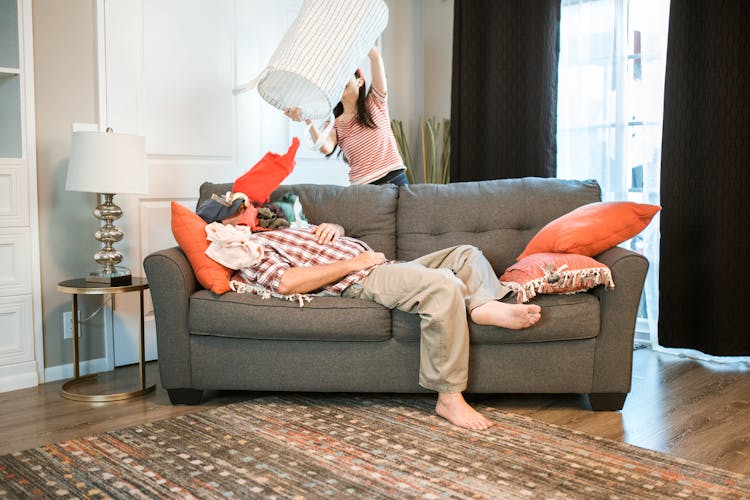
[(583, 344)]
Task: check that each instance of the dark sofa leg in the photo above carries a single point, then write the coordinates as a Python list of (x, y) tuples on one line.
[(607, 401), (185, 396)]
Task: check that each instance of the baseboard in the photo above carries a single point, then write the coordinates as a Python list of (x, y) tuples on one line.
[(18, 376), (62, 372)]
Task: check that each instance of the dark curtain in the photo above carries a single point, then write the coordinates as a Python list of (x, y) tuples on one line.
[(705, 179), (504, 89)]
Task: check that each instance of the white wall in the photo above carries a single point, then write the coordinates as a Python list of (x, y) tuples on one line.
[(437, 54), (417, 51), (65, 91)]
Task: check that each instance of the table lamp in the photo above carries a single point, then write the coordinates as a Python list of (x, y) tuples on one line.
[(107, 163)]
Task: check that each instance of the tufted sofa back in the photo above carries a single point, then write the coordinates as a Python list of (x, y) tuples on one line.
[(499, 216)]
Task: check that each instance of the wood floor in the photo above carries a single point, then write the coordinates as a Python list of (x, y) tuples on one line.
[(694, 410)]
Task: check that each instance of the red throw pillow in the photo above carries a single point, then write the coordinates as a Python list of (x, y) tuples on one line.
[(190, 233), (259, 182), (555, 273), (593, 228)]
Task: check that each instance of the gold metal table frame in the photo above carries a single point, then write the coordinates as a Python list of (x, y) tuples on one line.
[(83, 287)]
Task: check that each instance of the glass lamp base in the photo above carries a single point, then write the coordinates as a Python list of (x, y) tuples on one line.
[(121, 276)]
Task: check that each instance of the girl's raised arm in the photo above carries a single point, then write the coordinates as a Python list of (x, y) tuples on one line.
[(377, 69)]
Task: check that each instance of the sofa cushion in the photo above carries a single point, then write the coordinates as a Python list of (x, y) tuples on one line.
[(366, 212), (499, 217), (592, 228), (564, 317), (245, 315), (555, 273), (189, 231)]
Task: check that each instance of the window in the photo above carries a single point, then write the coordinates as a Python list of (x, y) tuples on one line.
[(610, 104)]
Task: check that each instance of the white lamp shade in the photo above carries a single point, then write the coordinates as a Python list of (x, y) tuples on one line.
[(105, 162)]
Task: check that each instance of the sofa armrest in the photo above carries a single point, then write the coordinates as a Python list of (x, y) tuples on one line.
[(172, 282), (618, 309)]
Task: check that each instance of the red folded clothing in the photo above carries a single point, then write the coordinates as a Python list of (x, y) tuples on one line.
[(260, 181)]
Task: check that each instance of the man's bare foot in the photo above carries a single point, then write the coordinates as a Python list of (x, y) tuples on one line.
[(453, 407), (512, 316)]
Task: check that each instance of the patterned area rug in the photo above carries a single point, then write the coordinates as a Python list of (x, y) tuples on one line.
[(297, 446)]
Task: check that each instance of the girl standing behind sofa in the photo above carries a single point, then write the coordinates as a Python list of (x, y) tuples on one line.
[(362, 129)]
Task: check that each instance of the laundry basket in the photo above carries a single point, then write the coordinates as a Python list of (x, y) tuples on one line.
[(319, 54)]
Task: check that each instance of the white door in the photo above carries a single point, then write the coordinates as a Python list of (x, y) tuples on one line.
[(167, 68)]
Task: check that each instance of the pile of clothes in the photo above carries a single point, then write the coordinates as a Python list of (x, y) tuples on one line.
[(249, 201)]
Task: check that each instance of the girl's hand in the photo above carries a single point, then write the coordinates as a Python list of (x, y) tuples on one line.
[(293, 113), (374, 52), (328, 232)]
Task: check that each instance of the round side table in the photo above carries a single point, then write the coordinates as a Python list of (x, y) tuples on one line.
[(82, 287)]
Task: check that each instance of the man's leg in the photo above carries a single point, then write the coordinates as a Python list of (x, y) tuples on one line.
[(483, 288), (434, 294), (437, 296), (470, 266)]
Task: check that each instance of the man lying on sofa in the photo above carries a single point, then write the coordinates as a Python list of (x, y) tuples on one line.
[(441, 287)]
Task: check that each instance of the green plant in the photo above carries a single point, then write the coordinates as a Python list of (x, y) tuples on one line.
[(435, 148), (403, 147)]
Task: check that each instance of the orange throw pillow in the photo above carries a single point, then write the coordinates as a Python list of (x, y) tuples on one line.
[(190, 233), (555, 273), (593, 228)]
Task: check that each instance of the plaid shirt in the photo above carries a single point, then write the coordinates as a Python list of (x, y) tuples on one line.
[(296, 247)]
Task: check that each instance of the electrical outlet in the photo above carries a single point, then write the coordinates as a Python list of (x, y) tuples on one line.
[(68, 324)]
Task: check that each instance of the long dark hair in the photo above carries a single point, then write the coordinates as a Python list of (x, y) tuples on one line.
[(364, 118)]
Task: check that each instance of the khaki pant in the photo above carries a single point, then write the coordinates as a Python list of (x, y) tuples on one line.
[(441, 287)]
